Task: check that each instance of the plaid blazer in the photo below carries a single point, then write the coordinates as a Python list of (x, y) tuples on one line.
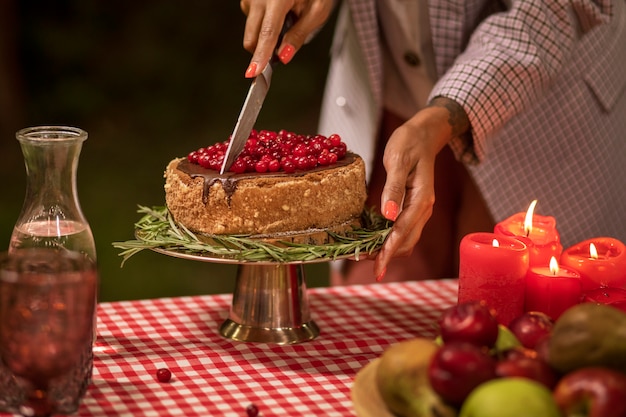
[(543, 83)]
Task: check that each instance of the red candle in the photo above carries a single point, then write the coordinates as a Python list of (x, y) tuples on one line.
[(605, 295), (538, 232), (601, 262), (553, 289), (493, 268)]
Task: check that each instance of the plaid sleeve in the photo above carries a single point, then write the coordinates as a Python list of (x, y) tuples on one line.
[(510, 59)]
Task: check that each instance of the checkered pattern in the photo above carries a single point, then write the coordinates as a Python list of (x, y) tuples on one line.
[(213, 376)]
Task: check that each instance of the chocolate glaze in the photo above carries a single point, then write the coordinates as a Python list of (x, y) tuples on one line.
[(229, 180)]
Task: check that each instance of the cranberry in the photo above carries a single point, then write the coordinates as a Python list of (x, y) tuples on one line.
[(273, 165), (335, 139), (289, 167), (164, 375), (267, 150), (193, 157), (204, 161), (252, 410), (261, 166), (300, 150), (239, 166), (302, 162)]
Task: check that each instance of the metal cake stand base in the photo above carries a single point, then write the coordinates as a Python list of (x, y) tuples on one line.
[(270, 305)]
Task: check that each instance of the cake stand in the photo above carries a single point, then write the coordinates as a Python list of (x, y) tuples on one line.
[(270, 303)]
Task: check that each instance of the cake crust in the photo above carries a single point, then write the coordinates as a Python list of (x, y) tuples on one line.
[(331, 198)]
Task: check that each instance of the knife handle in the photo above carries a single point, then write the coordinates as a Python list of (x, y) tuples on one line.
[(290, 19)]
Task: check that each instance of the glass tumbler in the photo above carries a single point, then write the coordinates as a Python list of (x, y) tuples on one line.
[(47, 315)]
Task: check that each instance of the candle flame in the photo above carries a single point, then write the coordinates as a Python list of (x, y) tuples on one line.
[(554, 266), (528, 220), (593, 252), (495, 243)]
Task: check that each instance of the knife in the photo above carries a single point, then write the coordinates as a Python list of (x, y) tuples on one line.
[(252, 104)]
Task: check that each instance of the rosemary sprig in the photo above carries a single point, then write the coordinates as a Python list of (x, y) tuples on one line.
[(156, 229)]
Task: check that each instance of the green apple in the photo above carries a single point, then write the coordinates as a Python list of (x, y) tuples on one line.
[(506, 339), (510, 397)]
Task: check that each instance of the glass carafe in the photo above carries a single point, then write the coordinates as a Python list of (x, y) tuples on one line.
[(51, 216)]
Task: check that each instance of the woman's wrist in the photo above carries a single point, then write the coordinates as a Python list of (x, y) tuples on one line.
[(457, 118)]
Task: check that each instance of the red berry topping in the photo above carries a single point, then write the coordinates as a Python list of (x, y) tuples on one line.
[(269, 151), (164, 375), (252, 410)]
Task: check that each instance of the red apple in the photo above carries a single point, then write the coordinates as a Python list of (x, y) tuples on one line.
[(542, 348), (531, 327), (518, 352), (592, 392), (472, 322), (527, 367), (457, 368)]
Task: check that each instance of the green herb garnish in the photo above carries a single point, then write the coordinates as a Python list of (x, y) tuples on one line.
[(158, 230)]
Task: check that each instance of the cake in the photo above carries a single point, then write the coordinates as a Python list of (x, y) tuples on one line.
[(283, 186)]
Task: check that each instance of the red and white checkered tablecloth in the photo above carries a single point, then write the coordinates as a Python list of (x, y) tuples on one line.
[(214, 376)]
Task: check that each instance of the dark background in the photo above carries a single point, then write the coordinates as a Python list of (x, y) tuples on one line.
[(149, 80)]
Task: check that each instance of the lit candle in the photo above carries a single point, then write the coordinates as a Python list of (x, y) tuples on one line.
[(553, 289), (538, 232), (493, 269), (601, 262)]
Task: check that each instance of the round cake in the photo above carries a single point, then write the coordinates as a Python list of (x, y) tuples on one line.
[(282, 186)]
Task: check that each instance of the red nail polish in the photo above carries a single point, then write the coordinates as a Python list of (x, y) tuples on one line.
[(286, 54), (391, 210), (251, 71), (380, 277)]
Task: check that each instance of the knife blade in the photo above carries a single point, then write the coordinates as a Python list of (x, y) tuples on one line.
[(252, 104)]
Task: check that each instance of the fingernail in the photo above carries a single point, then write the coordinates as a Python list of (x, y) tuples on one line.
[(391, 210), (251, 71), (286, 53), (381, 276)]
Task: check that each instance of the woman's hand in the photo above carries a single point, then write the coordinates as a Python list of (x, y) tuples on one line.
[(409, 160), (264, 24)]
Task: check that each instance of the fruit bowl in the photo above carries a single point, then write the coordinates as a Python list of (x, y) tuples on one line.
[(366, 399)]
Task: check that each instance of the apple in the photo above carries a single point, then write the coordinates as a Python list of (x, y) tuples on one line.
[(510, 397), (472, 322), (517, 352), (457, 368), (506, 340), (527, 367), (542, 348), (592, 392), (531, 327)]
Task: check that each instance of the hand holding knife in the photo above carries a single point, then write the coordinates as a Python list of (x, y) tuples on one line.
[(252, 104)]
